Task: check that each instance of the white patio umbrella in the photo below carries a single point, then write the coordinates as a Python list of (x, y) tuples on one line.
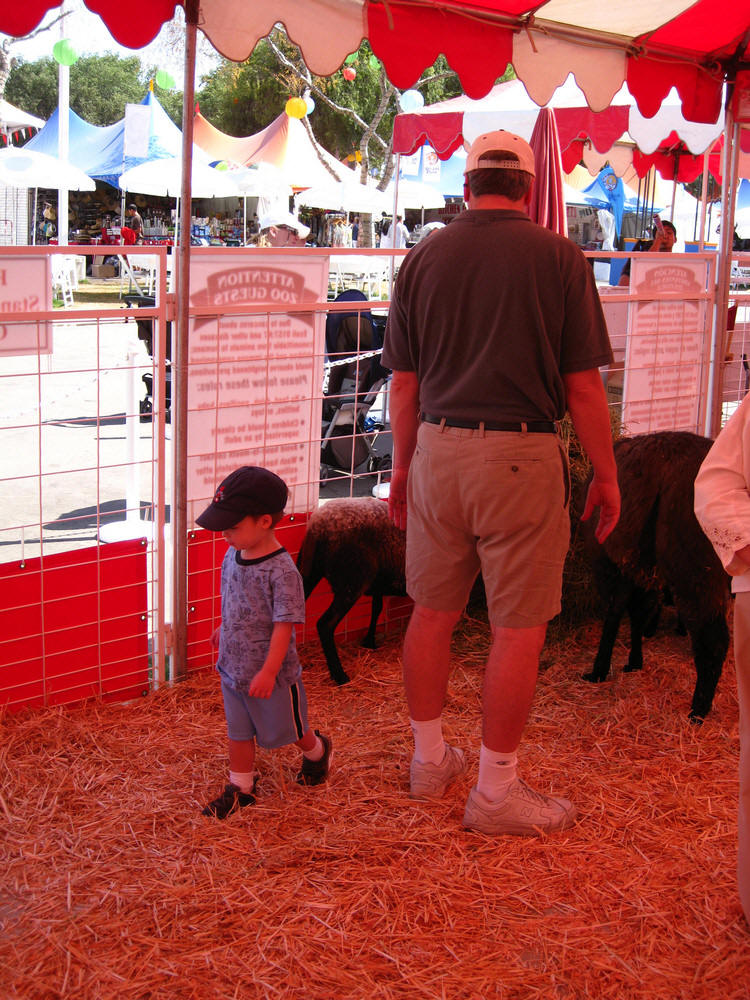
[(27, 168), (414, 194), (344, 196), (258, 180), (163, 178)]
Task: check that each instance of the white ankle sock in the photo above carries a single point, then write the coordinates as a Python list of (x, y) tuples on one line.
[(317, 751), (429, 746), (497, 772), (243, 781)]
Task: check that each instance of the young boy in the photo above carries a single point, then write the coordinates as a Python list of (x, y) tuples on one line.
[(261, 600)]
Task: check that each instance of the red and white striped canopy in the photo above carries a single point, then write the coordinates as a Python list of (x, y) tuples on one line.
[(651, 46)]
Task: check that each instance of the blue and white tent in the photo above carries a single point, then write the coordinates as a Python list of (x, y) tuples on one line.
[(105, 152)]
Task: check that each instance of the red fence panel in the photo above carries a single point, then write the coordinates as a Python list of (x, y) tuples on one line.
[(75, 626)]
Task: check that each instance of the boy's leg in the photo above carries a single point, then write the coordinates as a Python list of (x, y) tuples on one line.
[(317, 750), (239, 791), (241, 764)]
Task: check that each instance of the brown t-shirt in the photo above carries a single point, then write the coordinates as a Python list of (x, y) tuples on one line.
[(490, 312)]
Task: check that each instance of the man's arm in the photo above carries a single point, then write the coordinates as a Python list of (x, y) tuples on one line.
[(404, 410), (587, 405)]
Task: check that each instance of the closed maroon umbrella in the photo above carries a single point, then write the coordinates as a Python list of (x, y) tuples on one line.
[(547, 198)]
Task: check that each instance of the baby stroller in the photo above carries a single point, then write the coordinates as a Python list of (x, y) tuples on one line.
[(348, 432), (146, 334)]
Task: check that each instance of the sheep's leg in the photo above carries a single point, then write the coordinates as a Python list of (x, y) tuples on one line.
[(377, 606), (643, 609), (710, 641), (615, 609), (327, 625)]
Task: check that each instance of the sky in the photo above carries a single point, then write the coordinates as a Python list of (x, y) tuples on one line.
[(89, 36)]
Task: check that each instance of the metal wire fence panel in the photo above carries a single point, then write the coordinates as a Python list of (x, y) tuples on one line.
[(84, 481)]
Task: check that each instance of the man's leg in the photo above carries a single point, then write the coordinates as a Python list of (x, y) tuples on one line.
[(501, 803), (509, 685), (426, 670), (427, 649)]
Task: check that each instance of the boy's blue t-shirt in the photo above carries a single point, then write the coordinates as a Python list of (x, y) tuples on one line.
[(256, 593)]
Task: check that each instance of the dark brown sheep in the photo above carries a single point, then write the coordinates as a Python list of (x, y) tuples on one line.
[(658, 545), (352, 544)]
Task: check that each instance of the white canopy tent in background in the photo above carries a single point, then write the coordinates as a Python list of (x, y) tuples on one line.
[(13, 118)]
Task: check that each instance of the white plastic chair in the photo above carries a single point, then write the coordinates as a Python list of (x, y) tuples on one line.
[(61, 278)]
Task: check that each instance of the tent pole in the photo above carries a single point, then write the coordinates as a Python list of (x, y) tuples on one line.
[(719, 345), (704, 202), (180, 361), (392, 231)]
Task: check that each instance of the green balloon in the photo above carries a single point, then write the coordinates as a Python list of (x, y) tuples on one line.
[(351, 58), (64, 53), (374, 62), (165, 80)]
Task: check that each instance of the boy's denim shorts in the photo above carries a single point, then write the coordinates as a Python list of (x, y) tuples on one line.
[(272, 722)]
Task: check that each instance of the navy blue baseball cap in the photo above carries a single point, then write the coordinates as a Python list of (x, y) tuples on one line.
[(247, 492)]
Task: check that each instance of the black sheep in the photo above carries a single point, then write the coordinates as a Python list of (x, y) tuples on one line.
[(354, 545), (657, 545)]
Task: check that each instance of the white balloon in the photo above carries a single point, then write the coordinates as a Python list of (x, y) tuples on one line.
[(411, 100)]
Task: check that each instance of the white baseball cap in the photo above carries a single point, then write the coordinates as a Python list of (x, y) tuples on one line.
[(487, 152), (279, 219)]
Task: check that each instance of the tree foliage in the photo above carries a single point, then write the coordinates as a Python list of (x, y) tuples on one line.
[(350, 116), (100, 87)]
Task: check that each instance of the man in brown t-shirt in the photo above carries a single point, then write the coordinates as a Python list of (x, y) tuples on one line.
[(494, 331)]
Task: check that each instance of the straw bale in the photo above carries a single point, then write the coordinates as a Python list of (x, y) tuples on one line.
[(115, 886)]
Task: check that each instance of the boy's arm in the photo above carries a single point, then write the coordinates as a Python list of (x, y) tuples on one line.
[(261, 686), (215, 637)]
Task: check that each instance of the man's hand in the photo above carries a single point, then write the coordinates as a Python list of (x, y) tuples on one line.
[(397, 498), (215, 637), (605, 496), (261, 686)]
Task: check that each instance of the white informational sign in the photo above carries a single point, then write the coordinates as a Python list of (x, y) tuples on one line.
[(666, 360), (25, 286), (410, 165), (137, 130), (255, 381), (430, 166)]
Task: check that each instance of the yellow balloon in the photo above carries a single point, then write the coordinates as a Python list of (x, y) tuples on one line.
[(296, 107)]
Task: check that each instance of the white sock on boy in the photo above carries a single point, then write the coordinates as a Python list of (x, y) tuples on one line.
[(243, 781)]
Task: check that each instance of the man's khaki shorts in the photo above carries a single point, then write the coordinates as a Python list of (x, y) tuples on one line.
[(495, 501)]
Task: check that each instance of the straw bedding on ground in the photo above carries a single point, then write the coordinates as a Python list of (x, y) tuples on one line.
[(114, 885)]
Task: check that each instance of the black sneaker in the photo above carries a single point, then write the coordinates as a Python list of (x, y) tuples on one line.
[(230, 800), (315, 772)]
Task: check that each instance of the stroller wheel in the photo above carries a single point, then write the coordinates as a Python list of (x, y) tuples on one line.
[(325, 472), (146, 409), (379, 463)]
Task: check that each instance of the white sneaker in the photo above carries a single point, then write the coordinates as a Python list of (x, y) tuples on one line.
[(429, 781), (522, 813)]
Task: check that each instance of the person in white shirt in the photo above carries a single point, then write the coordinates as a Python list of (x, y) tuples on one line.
[(396, 236), (722, 506)]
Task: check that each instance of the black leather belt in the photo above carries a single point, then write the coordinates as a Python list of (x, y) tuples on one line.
[(530, 426)]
